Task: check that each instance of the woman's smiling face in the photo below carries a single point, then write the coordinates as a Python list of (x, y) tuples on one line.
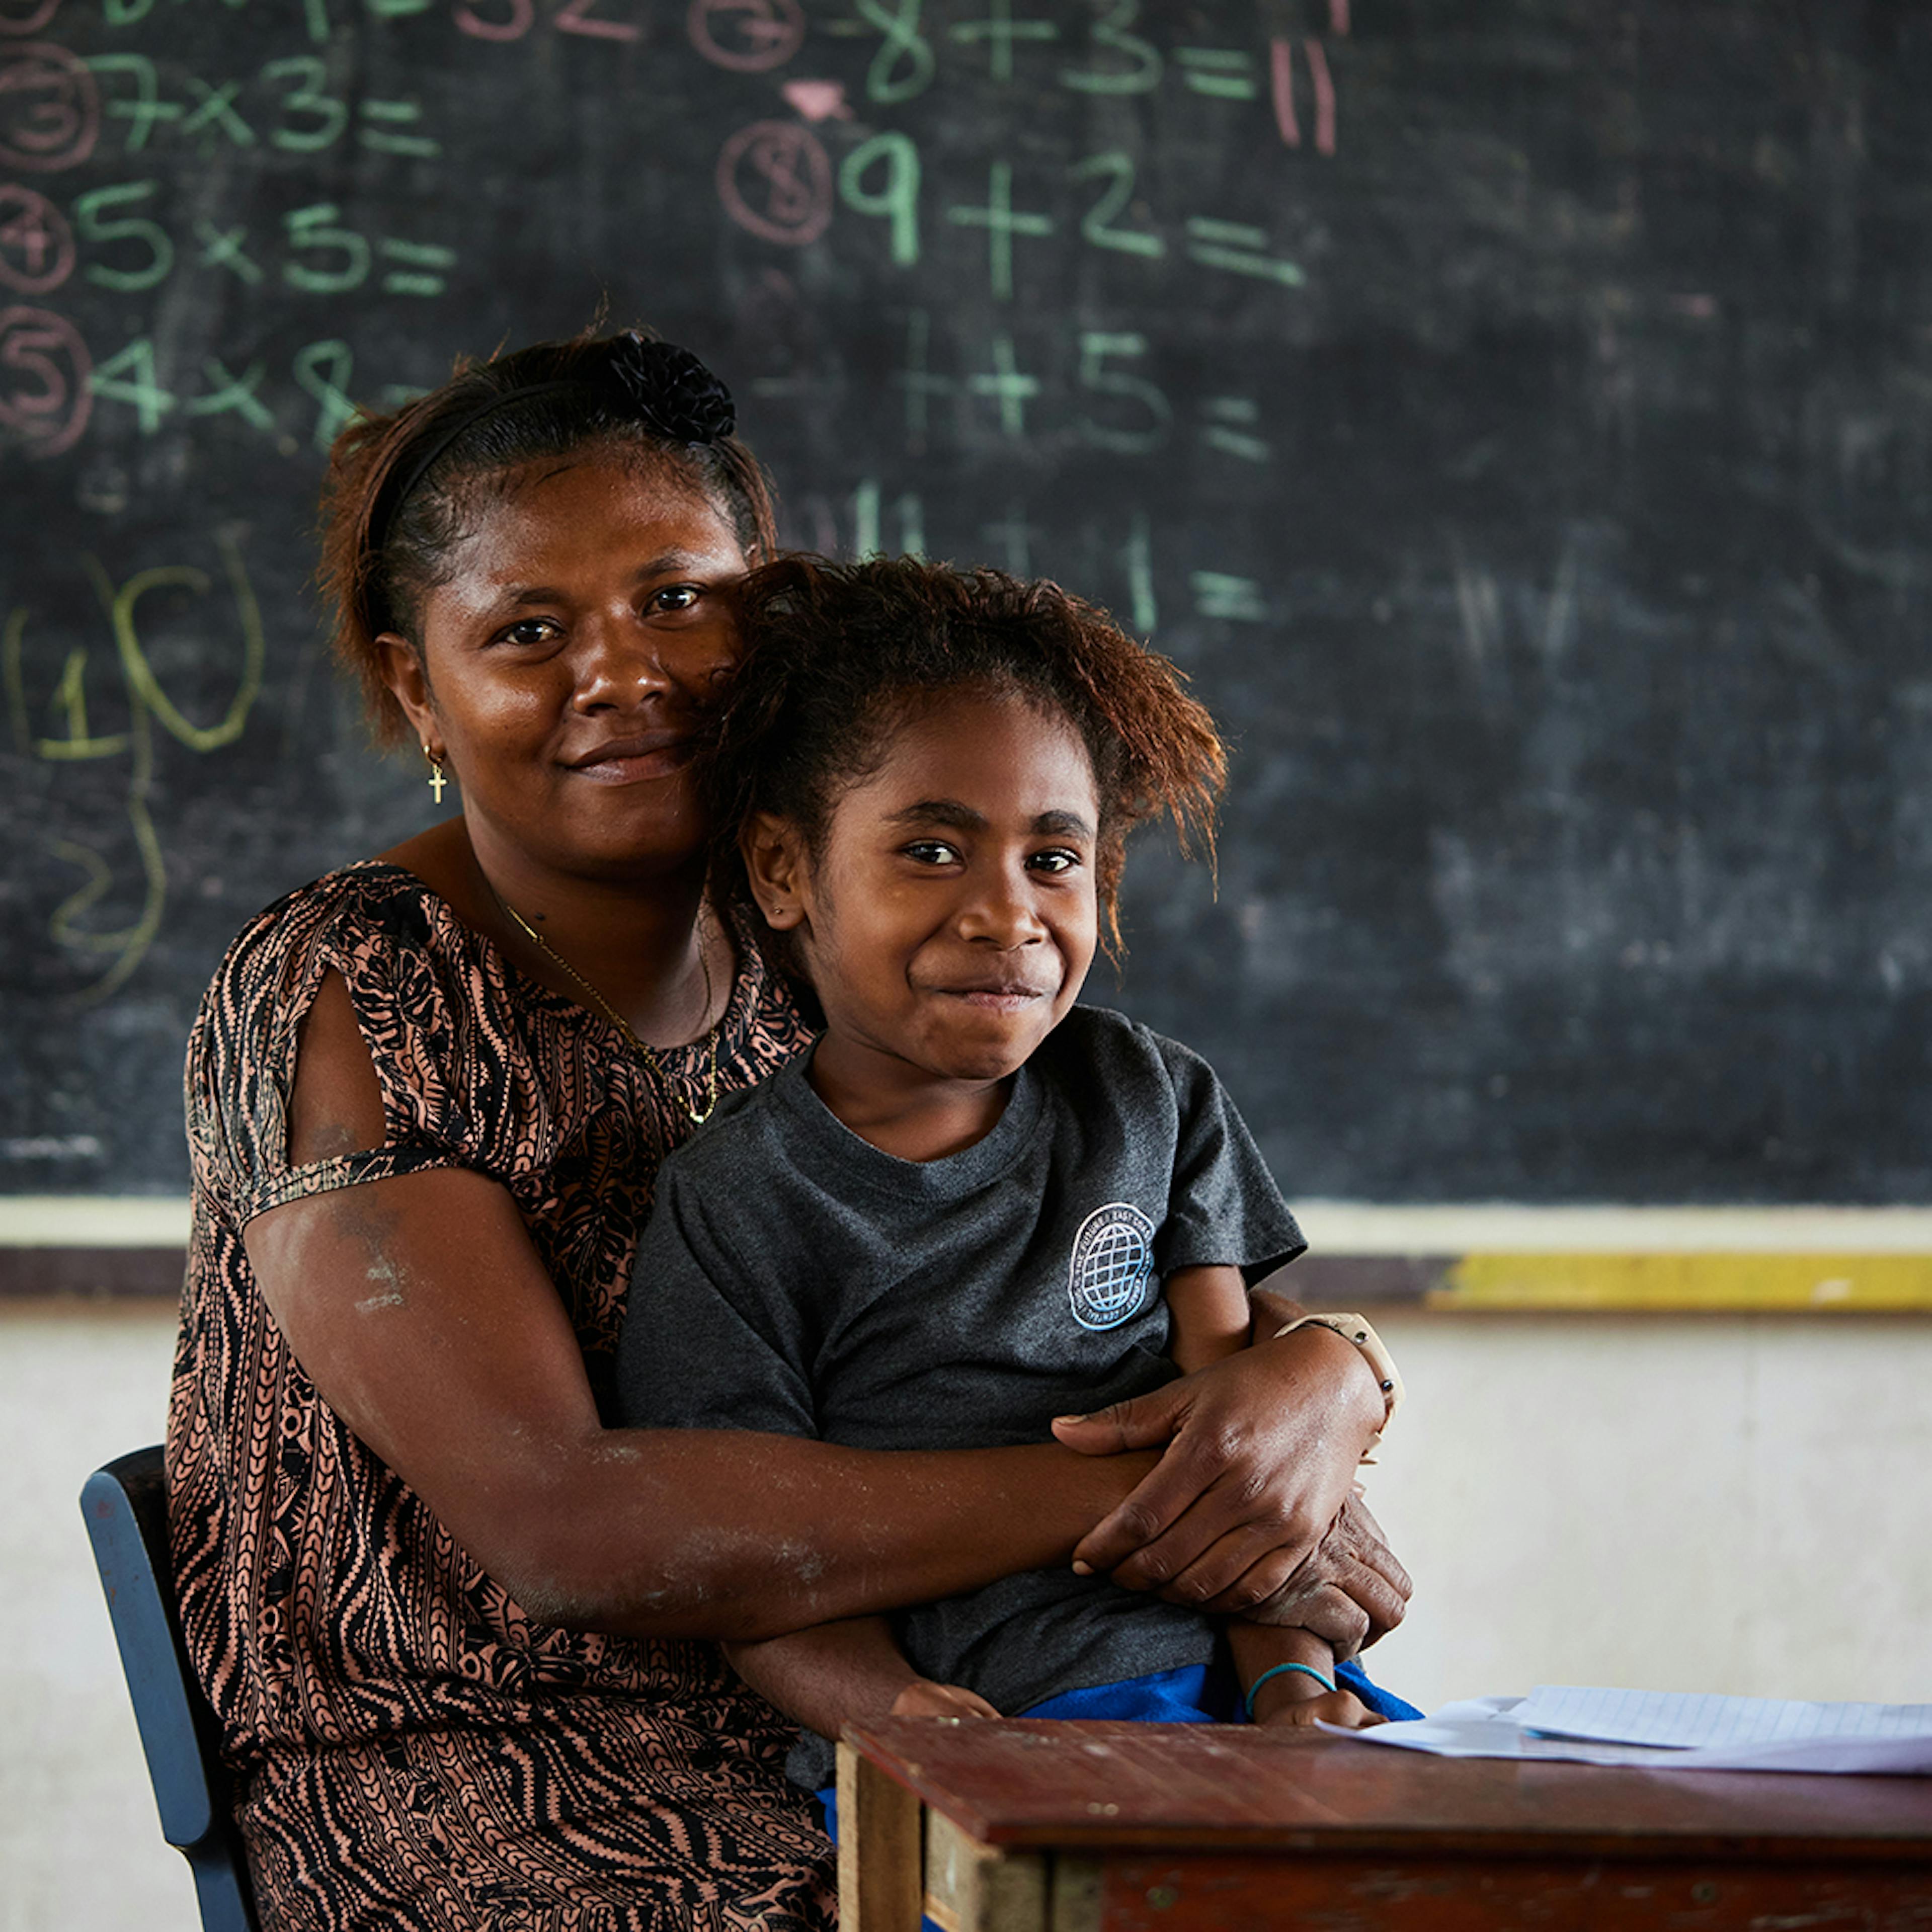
[(949, 920), (569, 659)]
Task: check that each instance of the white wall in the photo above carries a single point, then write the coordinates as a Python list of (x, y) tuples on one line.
[(1741, 1504), (80, 1843), (1735, 1504)]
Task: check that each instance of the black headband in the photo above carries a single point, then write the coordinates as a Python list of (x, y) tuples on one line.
[(666, 389)]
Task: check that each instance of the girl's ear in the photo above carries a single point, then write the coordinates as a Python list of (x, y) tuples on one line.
[(779, 871), (402, 672)]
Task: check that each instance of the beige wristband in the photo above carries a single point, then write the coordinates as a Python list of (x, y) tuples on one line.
[(1381, 1364)]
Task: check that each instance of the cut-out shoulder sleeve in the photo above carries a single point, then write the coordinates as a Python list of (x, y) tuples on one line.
[(412, 991)]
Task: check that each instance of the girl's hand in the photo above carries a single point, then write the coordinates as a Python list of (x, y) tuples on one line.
[(1249, 1512), (922, 1698), (1326, 1707)]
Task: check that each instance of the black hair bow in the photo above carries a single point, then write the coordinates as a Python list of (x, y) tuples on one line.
[(671, 389)]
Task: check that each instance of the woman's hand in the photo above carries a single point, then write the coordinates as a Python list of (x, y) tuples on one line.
[(1250, 1511), (1351, 1591)]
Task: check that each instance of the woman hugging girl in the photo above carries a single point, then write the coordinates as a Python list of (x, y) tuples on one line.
[(975, 1207)]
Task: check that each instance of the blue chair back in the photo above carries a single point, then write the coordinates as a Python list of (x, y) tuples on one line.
[(125, 1506)]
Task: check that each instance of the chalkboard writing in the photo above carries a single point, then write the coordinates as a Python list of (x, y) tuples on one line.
[(1516, 418)]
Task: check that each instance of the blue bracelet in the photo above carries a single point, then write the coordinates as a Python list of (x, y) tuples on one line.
[(1306, 1670)]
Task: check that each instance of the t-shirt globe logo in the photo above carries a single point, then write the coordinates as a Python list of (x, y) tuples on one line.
[(1113, 1260)]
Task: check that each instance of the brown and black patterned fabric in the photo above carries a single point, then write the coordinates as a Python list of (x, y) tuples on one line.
[(414, 1753)]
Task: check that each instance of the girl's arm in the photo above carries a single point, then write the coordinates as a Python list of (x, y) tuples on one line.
[(1276, 1695), (848, 1673), (1209, 1316), (855, 1670)]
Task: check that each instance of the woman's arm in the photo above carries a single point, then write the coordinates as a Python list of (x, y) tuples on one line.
[(424, 1318), (422, 1313)]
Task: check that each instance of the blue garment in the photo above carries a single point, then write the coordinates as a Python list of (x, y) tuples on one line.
[(1198, 1694)]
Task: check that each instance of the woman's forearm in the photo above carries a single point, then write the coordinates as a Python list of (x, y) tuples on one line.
[(464, 1376), (712, 1533), (420, 1313)]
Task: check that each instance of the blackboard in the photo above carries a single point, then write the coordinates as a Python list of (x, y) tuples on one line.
[(1516, 416)]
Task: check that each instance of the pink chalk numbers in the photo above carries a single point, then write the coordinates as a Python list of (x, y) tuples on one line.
[(31, 21), (36, 244), (1321, 83), (775, 179), (49, 108), (747, 36), (511, 19), (44, 393)]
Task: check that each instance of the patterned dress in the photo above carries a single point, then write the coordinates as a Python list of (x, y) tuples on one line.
[(413, 1752)]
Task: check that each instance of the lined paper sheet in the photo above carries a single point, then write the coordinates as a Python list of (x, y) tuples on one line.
[(1691, 1721), (1492, 1727)]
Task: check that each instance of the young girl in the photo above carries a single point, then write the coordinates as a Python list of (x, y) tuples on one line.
[(975, 1206)]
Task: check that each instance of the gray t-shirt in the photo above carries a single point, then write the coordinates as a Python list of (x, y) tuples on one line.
[(793, 1279)]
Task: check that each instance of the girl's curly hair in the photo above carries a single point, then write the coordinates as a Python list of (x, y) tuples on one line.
[(837, 654)]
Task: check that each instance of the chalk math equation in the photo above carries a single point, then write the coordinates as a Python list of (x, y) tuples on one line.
[(212, 260), (777, 179)]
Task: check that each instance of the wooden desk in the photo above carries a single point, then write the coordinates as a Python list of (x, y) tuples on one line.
[(1034, 1827)]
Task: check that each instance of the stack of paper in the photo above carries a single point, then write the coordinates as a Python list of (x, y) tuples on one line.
[(1681, 1730)]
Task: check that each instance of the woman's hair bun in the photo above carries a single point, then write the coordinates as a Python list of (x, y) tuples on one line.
[(670, 389)]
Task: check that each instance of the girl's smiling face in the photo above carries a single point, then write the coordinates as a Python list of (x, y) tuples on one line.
[(567, 661), (948, 922)]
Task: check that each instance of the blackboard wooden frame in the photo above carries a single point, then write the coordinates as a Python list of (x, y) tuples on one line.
[(1493, 1261)]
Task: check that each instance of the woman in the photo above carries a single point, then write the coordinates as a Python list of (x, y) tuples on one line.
[(444, 1614)]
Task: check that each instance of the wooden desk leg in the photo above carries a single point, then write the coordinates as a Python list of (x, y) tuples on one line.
[(971, 1888), (1075, 1883), (880, 1881)]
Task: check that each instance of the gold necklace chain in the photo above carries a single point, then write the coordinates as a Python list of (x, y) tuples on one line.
[(618, 1020)]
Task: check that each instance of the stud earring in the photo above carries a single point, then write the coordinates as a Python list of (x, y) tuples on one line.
[(436, 780)]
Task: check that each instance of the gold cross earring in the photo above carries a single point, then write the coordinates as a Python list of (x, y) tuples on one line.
[(436, 780)]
